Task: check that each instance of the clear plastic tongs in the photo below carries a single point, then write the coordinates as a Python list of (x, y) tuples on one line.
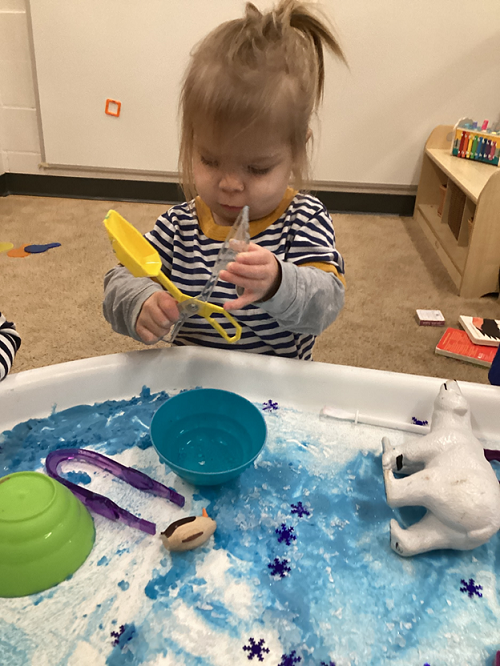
[(142, 260), (236, 241)]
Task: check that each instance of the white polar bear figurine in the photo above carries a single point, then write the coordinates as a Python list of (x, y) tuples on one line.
[(449, 476)]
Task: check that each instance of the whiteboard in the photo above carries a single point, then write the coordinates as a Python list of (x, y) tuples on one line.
[(413, 65)]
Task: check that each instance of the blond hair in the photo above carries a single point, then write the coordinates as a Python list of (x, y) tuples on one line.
[(263, 68)]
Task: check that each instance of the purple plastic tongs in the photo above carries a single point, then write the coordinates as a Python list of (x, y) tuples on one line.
[(101, 504)]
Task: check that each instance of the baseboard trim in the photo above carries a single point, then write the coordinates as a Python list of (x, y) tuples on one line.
[(74, 187), (107, 189), (369, 203)]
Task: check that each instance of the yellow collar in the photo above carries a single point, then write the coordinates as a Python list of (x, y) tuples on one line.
[(218, 232)]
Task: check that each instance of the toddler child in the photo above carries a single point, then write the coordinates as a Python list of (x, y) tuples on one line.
[(248, 96), (10, 341)]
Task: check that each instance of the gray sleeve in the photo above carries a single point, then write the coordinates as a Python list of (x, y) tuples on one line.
[(307, 301), (124, 296)]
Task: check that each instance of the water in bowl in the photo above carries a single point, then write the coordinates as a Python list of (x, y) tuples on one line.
[(210, 444)]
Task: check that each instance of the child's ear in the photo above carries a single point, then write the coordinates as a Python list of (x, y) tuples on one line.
[(309, 134)]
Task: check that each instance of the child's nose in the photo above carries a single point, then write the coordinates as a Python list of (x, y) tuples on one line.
[(231, 182)]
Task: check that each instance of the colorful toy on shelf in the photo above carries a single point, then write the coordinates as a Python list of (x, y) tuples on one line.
[(448, 474), (188, 533), (472, 143), (103, 505)]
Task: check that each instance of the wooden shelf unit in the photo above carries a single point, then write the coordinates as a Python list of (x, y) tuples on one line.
[(471, 255)]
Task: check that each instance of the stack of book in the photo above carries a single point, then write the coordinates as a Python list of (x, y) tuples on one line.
[(476, 343)]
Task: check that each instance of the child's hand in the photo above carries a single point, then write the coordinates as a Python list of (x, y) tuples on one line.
[(257, 271), (156, 317)]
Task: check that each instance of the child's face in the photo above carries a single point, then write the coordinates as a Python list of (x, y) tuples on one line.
[(233, 170)]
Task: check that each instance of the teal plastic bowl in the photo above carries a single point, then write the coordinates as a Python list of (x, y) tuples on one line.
[(208, 436)]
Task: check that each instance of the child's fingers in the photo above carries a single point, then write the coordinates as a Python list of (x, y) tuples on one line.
[(239, 303), (256, 271), (167, 308), (156, 317), (149, 330), (146, 335), (254, 255), (256, 288), (235, 271)]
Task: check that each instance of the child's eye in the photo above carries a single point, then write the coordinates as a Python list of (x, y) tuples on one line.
[(207, 162), (259, 171)]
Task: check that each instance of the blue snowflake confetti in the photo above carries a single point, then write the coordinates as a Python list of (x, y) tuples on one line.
[(420, 423), (270, 406), (290, 659), (255, 649), (471, 588), (285, 534), (117, 634), (123, 635), (300, 510), (330, 663), (279, 567)]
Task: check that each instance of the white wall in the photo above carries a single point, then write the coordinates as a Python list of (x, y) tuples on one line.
[(19, 139), (20, 142), (413, 66)]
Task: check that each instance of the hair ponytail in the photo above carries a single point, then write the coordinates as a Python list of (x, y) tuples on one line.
[(317, 31)]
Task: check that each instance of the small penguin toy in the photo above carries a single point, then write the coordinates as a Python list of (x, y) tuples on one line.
[(188, 533)]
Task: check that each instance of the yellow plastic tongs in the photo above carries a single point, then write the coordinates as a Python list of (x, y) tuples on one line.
[(142, 260)]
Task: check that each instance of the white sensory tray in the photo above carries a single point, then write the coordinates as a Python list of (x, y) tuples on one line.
[(299, 570)]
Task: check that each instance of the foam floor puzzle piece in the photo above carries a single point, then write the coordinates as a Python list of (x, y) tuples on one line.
[(4, 247), (36, 249), (18, 252)]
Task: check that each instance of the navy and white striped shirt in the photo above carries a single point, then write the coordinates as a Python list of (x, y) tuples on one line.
[(10, 341), (299, 231)]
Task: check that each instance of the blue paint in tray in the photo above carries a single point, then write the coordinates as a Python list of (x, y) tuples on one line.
[(347, 599)]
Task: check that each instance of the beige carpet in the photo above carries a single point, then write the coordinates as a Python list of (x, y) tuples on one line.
[(55, 297)]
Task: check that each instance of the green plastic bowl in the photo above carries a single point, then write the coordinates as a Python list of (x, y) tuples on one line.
[(208, 436), (46, 533)]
